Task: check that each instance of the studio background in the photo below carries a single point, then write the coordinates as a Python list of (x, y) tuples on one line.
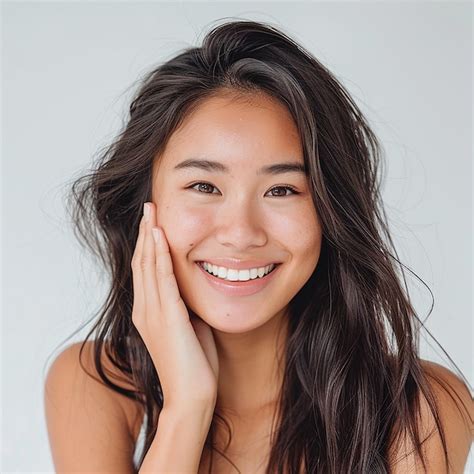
[(68, 73)]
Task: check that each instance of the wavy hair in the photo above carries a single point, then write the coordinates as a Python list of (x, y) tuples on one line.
[(352, 374)]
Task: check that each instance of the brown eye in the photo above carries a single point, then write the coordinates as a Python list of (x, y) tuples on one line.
[(203, 186), (283, 192), (206, 188)]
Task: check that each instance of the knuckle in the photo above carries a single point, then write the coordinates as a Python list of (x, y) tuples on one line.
[(145, 261), (135, 263), (137, 319), (169, 281), (161, 272), (171, 288)]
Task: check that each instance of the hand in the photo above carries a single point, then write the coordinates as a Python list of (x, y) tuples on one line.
[(182, 349)]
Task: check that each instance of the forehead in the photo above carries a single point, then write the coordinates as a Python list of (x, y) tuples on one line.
[(238, 131)]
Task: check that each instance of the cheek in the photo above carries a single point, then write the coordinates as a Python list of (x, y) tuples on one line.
[(311, 247), (184, 226), (299, 229), (304, 237)]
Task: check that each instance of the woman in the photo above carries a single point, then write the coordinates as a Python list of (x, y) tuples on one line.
[(256, 321)]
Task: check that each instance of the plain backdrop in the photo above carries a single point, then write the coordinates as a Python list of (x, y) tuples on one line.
[(68, 72)]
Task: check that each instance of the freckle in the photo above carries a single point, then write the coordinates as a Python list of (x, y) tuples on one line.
[(191, 244), (227, 314)]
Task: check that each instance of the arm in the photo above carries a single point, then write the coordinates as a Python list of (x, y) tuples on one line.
[(457, 425), (178, 442)]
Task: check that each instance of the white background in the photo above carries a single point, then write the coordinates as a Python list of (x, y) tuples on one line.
[(68, 71)]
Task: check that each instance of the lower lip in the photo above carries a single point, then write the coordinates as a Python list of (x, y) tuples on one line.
[(239, 288)]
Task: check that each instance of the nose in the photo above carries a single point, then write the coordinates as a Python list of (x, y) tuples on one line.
[(241, 226)]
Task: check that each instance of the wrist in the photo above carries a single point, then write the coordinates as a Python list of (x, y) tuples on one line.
[(197, 414)]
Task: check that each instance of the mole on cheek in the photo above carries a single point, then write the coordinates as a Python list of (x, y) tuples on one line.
[(191, 244)]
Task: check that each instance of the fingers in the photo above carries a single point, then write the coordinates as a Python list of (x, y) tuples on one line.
[(148, 263), (172, 305), (157, 293), (167, 284), (138, 291)]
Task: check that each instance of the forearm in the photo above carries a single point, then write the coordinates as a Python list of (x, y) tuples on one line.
[(179, 441)]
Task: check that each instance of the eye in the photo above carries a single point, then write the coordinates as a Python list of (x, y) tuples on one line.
[(202, 184), (293, 190), (210, 186)]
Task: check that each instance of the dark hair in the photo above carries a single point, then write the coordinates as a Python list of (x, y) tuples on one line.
[(352, 374)]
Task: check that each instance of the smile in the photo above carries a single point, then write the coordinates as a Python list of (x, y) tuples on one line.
[(230, 274), (240, 288)]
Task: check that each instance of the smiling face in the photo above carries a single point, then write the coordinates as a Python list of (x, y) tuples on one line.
[(243, 213)]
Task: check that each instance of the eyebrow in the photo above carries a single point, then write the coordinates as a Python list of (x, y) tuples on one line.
[(216, 166)]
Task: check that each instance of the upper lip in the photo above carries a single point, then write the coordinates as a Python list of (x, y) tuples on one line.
[(237, 264)]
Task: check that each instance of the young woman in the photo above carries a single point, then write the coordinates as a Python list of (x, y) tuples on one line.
[(256, 320)]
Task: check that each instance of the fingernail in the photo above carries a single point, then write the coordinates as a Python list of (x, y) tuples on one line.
[(146, 211), (156, 234)]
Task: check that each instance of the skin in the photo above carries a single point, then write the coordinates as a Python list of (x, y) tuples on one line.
[(239, 216), (241, 221)]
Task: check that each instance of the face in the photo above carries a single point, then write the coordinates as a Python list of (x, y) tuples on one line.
[(242, 213)]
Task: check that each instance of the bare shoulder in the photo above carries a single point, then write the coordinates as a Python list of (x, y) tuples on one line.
[(455, 406), (454, 397), (90, 426)]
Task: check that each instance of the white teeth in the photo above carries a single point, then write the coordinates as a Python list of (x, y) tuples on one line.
[(234, 275), (237, 275)]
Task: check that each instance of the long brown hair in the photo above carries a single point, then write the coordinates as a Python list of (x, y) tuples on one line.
[(352, 371)]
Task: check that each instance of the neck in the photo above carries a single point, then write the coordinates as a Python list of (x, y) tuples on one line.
[(250, 376)]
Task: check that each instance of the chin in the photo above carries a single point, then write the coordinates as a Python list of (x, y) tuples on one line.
[(232, 321)]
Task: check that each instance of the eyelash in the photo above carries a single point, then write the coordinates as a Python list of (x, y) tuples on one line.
[(293, 190)]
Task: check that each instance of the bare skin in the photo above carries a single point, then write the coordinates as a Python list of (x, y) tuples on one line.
[(239, 362), (237, 214), (234, 216), (243, 220)]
